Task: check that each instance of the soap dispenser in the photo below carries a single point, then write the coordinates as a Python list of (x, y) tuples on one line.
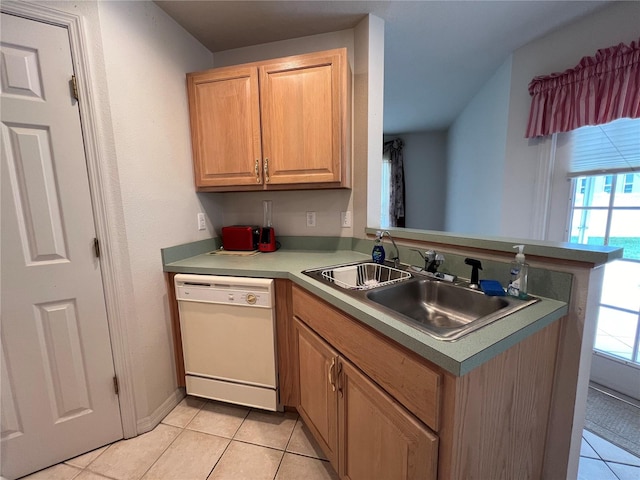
[(519, 273), (377, 254)]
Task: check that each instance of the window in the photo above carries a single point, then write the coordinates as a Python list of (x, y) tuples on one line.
[(601, 217), (628, 183), (608, 180), (605, 210)]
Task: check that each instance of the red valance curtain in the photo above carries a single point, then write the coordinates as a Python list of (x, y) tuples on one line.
[(598, 90)]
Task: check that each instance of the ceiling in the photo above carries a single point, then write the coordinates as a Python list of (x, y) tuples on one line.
[(437, 53)]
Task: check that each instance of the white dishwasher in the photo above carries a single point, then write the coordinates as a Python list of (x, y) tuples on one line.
[(228, 338)]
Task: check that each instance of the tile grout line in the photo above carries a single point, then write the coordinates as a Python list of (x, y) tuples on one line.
[(97, 473), (91, 462), (284, 452), (298, 453), (101, 474), (163, 452), (616, 444), (182, 429), (291, 434), (219, 458), (611, 470), (228, 444), (275, 475), (608, 461), (78, 473)]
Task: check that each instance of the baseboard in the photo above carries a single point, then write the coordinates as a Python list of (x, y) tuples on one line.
[(150, 422)]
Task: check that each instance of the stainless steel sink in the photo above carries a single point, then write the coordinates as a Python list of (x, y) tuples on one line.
[(445, 311)]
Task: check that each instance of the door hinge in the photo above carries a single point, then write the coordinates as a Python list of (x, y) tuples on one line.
[(116, 388), (96, 247), (74, 87)]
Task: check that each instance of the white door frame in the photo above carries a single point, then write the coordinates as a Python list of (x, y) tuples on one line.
[(116, 312)]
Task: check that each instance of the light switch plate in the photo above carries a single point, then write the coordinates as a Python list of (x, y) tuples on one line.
[(202, 225)]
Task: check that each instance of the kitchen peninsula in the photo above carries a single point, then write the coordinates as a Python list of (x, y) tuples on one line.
[(491, 405)]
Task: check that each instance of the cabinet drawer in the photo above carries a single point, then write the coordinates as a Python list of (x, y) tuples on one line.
[(400, 372)]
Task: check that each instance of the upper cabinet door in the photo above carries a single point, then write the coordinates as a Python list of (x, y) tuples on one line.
[(225, 127), (304, 119)]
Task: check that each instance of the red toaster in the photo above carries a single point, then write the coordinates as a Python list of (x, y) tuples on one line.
[(240, 237)]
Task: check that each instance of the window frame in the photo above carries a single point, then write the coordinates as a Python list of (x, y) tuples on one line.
[(576, 187)]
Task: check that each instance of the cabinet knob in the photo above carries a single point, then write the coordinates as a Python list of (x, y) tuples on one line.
[(266, 170)]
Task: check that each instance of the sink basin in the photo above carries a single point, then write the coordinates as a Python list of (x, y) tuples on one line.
[(442, 310)]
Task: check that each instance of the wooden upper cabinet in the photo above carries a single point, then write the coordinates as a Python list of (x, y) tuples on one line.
[(278, 124), (302, 124), (225, 127)]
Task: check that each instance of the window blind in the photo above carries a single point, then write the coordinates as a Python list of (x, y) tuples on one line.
[(610, 148)]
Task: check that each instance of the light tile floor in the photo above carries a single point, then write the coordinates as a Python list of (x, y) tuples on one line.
[(602, 460), (202, 440)]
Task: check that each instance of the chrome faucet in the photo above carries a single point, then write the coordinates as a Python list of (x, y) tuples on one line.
[(396, 259), (432, 260)]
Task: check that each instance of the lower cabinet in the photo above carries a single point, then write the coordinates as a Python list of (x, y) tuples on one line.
[(364, 432), (318, 402)]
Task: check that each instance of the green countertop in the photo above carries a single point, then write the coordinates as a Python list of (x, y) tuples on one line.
[(458, 357), (570, 252)]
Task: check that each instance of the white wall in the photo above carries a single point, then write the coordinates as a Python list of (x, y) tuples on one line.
[(425, 167), (476, 158), (368, 120), (555, 52), (284, 48), (146, 57)]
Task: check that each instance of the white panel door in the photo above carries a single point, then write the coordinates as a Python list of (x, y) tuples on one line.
[(57, 392)]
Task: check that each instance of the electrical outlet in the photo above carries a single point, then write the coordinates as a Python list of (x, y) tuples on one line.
[(345, 219), (202, 225), (311, 219)]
